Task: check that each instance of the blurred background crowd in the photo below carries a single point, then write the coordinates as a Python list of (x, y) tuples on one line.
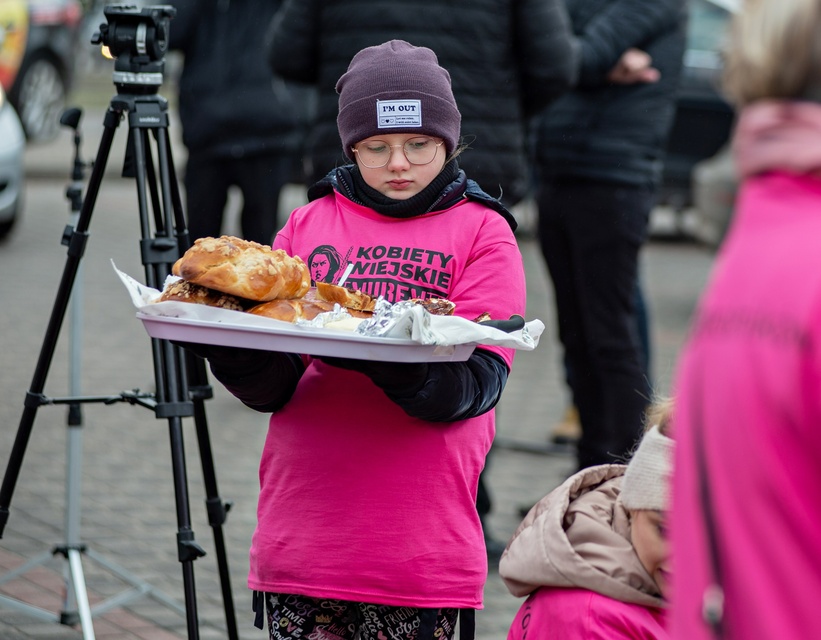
[(47, 63)]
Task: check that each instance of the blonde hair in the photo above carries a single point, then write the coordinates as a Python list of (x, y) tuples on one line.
[(659, 413), (774, 51)]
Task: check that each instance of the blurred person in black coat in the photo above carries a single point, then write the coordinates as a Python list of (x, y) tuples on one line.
[(241, 125), (599, 151), (507, 61)]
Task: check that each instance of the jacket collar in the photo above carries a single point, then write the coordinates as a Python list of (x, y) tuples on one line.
[(340, 180)]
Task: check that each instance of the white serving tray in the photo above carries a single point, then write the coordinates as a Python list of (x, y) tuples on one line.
[(416, 336), (283, 336)]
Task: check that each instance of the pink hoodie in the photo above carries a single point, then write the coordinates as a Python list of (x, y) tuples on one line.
[(749, 382)]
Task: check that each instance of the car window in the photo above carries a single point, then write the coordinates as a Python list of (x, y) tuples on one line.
[(706, 33)]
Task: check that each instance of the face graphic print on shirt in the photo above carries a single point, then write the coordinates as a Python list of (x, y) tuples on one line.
[(325, 264)]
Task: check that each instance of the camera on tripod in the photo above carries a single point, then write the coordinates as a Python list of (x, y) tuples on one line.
[(137, 39)]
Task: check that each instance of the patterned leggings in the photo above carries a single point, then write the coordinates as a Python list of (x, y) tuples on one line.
[(292, 617)]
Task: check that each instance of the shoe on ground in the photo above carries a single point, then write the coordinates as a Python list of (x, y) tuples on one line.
[(569, 429)]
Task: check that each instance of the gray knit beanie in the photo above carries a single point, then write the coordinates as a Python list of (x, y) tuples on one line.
[(396, 87), (646, 483)]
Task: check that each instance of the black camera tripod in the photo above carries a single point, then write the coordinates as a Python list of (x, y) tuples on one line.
[(181, 380)]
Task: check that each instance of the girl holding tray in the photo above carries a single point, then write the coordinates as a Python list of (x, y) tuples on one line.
[(367, 523)]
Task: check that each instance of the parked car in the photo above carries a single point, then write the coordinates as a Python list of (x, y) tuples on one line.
[(704, 119), (12, 148), (715, 184), (38, 61)]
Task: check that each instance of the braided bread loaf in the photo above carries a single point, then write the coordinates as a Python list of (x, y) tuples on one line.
[(243, 268)]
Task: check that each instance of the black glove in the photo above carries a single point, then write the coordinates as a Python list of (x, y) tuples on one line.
[(439, 391), (394, 378), (262, 380), (229, 361)]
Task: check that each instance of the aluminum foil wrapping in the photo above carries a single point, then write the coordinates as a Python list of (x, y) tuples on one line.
[(391, 320), (404, 320), (337, 314)]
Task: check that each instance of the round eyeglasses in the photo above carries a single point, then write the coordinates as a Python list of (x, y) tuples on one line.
[(377, 153)]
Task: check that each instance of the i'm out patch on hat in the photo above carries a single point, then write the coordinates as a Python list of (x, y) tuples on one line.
[(398, 113)]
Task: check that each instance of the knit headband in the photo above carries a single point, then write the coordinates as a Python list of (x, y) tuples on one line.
[(646, 483)]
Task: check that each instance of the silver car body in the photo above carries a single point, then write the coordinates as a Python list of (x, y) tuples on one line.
[(12, 165)]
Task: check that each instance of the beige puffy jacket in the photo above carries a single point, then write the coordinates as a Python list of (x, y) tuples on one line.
[(579, 536)]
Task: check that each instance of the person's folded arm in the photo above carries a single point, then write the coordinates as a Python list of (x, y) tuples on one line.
[(621, 25)]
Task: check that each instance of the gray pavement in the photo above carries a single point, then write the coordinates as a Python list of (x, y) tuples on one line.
[(128, 500)]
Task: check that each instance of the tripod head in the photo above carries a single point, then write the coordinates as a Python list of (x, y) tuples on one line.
[(137, 39)]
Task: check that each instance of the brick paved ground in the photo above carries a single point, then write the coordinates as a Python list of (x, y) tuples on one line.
[(128, 499)]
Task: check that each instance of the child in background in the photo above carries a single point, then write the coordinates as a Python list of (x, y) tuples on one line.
[(367, 524), (593, 554), (747, 492)]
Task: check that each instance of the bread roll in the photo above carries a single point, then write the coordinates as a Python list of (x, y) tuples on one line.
[(184, 291), (358, 313), (305, 308), (243, 268), (347, 298), (291, 310)]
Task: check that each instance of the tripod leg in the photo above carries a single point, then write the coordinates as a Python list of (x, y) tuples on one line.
[(72, 602), (199, 388), (158, 254), (188, 549), (216, 508), (75, 564), (76, 248)]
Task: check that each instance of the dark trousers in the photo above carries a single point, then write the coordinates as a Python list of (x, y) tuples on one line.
[(643, 328), (260, 180), (590, 235)]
